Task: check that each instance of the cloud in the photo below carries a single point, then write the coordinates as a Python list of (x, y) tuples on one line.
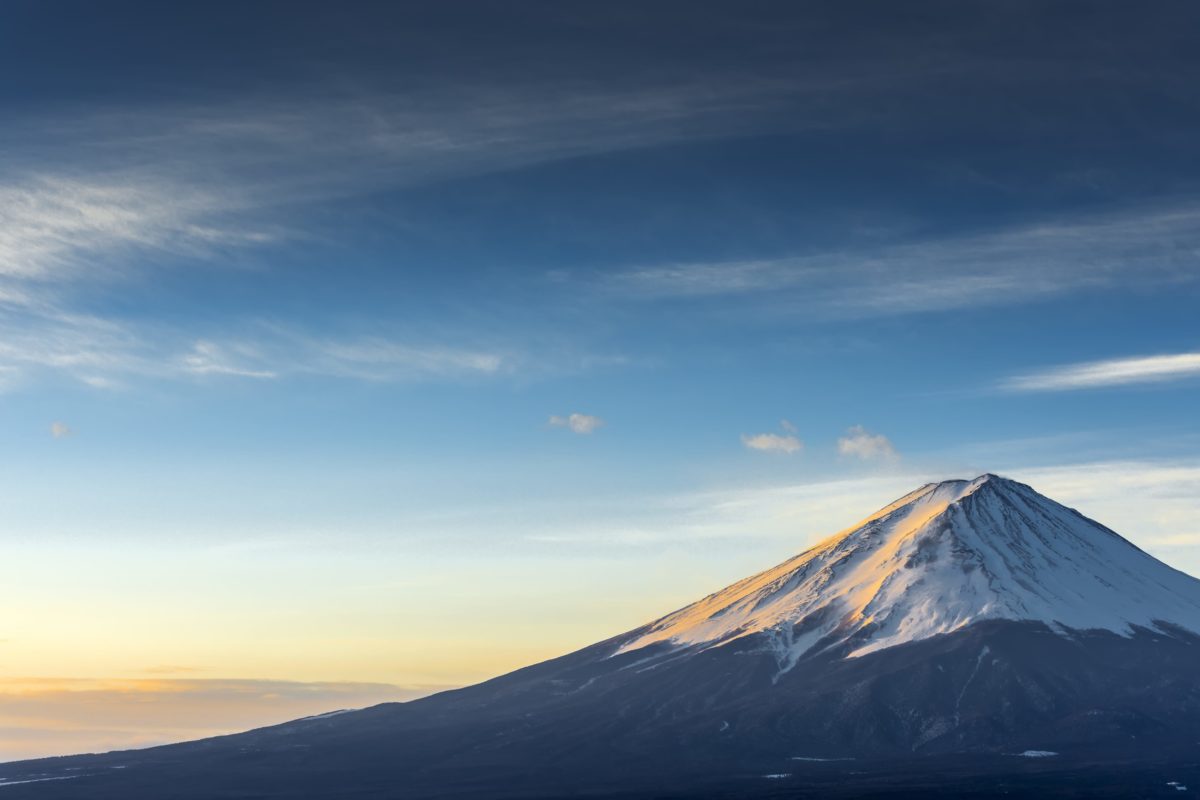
[(382, 358), (861, 443), (86, 186), (1142, 246), (773, 443), (578, 423), (1113, 372), (98, 177), (207, 358), (60, 430), (787, 426), (273, 351), (56, 227), (108, 354), (52, 716)]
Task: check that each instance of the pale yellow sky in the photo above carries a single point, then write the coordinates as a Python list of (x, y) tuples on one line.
[(41, 717)]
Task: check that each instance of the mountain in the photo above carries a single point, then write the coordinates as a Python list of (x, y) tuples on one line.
[(946, 556), (925, 649)]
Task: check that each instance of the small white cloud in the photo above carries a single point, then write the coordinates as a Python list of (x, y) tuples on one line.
[(787, 426), (1113, 372), (861, 443), (60, 430), (773, 442), (578, 423)]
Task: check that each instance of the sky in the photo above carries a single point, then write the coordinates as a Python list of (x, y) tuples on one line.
[(352, 352)]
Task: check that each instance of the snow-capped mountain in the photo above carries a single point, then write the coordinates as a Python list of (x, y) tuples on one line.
[(964, 623), (935, 561)]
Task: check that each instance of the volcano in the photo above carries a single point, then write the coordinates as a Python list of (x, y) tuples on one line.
[(973, 631)]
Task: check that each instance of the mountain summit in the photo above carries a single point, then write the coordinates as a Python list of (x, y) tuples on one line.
[(941, 558), (970, 619)]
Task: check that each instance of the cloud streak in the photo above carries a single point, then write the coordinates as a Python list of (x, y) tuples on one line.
[(109, 194), (1111, 372), (108, 354), (54, 227), (1146, 247), (207, 358)]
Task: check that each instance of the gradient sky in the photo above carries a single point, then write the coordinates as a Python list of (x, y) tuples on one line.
[(350, 352)]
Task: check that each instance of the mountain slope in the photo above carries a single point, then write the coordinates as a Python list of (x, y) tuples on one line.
[(939, 559), (968, 620)]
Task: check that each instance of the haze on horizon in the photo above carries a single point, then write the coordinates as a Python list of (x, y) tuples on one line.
[(347, 354)]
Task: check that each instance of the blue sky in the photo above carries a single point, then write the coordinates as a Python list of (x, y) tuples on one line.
[(296, 304)]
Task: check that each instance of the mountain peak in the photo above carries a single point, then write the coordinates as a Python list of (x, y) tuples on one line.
[(938, 559), (968, 485)]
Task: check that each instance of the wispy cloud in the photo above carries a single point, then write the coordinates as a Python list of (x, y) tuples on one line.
[(109, 354), (259, 151), (382, 358), (861, 443), (207, 358), (67, 225), (1142, 246), (576, 423), (110, 194), (83, 347), (1112, 372), (53, 227), (60, 430)]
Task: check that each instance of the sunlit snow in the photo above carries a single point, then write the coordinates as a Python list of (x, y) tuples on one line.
[(942, 557)]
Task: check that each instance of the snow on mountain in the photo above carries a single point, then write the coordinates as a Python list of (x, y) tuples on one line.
[(938, 559)]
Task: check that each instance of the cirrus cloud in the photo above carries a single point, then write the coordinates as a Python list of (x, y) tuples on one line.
[(1110, 372)]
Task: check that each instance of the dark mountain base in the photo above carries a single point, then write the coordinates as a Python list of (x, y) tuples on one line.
[(946, 716), (934, 777), (954, 777)]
